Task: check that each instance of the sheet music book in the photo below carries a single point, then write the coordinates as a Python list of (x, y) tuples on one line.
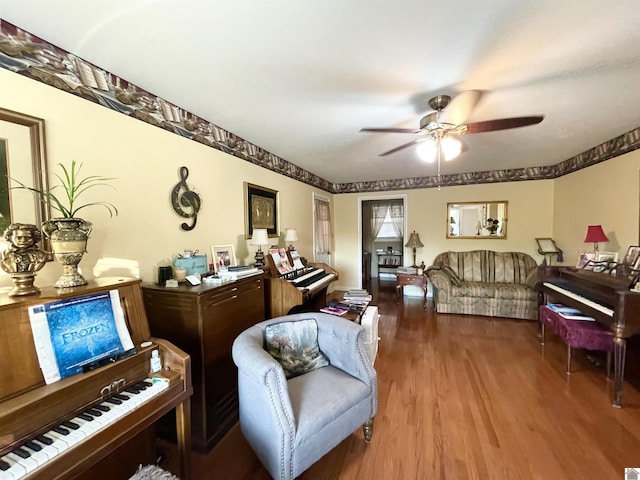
[(297, 261), (76, 334), (280, 260)]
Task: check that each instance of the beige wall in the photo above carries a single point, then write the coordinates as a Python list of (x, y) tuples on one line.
[(606, 194), (145, 160), (530, 215)]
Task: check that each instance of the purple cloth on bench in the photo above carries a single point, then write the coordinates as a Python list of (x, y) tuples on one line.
[(578, 333)]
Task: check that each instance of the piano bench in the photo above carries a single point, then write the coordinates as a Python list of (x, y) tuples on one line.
[(577, 334)]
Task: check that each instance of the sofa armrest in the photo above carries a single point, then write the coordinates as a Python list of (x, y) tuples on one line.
[(442, 283)]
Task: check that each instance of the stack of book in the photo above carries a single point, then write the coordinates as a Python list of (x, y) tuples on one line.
[(236, 272), (357, 297), (569, 313)]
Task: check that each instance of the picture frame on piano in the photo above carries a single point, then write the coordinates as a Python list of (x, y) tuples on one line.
[(606, 257), (632, 255), (223, 256), (586, 259), (261, 210)]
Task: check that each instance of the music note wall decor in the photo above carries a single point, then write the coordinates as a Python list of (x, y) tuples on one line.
[(182, 196)]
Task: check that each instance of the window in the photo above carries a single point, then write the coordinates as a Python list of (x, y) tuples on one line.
[(387, 231)]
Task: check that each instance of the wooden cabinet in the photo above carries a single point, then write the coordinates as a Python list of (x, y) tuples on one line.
[(204, 321)]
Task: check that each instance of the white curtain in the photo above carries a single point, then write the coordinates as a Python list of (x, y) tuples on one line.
[(323, 227), (373, 214), (378, 214), (396, 212)]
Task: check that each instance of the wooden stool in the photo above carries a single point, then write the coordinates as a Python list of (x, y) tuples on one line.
[(577, 334)]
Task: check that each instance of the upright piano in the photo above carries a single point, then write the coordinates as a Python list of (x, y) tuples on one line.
[(294, 285), (77, 426), (605, 297)]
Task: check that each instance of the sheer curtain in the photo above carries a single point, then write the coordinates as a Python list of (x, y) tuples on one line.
[(322, 230), (373, 214), (396, 212)]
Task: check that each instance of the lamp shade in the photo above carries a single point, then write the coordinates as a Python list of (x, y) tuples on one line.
[(259, 237), (290, 235), (595, 234), (414, 241)]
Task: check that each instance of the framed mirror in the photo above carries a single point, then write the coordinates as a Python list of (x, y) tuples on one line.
[(22, 157), (477, 219)]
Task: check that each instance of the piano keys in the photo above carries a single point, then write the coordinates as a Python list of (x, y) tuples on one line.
[(38, 451), (296, 290), (70, 427), (607, 298)]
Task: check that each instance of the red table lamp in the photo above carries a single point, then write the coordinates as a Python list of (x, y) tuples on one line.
[(595, 234)]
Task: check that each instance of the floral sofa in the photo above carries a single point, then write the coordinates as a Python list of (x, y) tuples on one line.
[(484, 282)]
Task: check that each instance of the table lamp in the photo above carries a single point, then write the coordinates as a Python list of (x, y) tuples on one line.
[(595, 234), (259, 237), (413, 243), (291, 235)]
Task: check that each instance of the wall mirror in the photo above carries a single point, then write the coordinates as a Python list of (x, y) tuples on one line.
[(22, 157), (477, 219)]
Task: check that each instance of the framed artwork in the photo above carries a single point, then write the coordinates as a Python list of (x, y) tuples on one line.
[(546, 245), (631, 257), (260, 210), (22, 157), (604, 261), (607, 257), (585, 259), (223, 257)]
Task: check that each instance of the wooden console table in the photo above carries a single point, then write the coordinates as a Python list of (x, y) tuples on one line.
[(409, 279)]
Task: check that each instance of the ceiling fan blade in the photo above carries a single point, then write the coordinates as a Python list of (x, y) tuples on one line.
[(461, 107), (390, 130), (501, 124), (401, 147)]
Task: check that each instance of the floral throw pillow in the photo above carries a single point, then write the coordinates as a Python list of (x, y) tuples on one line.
[(295, 346)]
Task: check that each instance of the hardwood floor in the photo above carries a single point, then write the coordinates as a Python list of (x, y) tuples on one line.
[(464, 397)]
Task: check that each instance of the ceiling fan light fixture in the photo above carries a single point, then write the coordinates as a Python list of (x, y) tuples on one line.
[(451, 147), (427, 150)]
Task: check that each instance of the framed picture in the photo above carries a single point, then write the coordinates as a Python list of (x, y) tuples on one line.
[(223, 257), (607, 257), (631, 257), (22, 158), (546, 245), (586, 259), (260, 210)]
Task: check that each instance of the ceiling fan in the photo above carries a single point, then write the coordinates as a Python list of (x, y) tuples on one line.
[(441, 130)]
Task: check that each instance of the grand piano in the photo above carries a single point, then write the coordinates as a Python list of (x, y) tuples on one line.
[(605, 297), (92, 424), (294, 285)]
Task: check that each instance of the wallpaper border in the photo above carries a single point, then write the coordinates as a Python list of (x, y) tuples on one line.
[(30, 56)]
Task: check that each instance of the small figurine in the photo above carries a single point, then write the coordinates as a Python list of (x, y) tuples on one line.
[(23, 259)]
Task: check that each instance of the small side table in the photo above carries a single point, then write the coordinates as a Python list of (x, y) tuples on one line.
[(403, 279)]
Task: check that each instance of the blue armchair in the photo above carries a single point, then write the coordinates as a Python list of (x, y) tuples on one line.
[(291, 423)]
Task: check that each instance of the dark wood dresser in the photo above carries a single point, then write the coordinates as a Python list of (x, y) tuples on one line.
[(204, 321)]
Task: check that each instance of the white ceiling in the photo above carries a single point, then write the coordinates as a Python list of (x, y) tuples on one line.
[(300, 78)]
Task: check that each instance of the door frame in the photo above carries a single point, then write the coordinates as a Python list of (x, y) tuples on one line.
[(361, 199)]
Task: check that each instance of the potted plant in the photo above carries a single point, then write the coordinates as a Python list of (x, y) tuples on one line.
[(69, 233)]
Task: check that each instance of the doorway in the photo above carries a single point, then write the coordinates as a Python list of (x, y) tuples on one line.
[(382, 229)]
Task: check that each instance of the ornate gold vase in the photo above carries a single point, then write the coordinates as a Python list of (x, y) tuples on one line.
[(68, 238)]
